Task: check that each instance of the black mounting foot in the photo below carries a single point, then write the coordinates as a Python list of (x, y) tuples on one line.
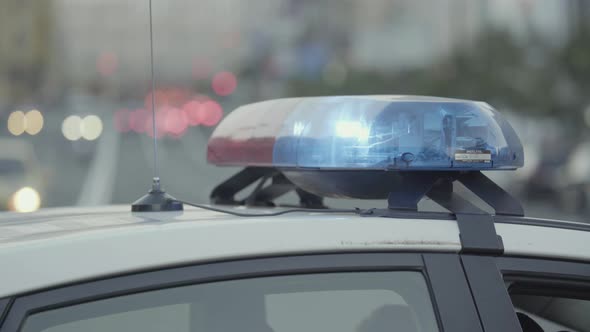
[(476, 227), (264, 194), (156, 200)]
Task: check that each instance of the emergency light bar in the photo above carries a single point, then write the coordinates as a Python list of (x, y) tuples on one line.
[(402, 148), (367, 133)]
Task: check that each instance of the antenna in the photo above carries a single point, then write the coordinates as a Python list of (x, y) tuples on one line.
[(156, 199)]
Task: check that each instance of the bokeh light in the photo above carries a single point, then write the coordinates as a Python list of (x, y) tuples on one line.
[(17, 123), (91, 127), (25, 199), (33, 122), (224, 83), (175, 122), (167, 97), (210, 113), (176, 111), (192, 112), (160, 123), (30, 122), (70, 128), (175, 97)]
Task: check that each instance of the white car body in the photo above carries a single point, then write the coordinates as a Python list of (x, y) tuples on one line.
[(62, 246)]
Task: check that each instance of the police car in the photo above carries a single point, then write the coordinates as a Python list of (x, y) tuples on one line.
[(246, 264)]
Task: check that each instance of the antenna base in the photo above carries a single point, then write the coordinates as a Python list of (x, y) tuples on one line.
[(156, 201)]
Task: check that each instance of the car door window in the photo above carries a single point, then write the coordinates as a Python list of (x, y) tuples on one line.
[(352, 301), (544, 309), (548, 295)]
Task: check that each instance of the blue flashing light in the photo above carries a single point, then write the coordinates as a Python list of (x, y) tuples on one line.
[(367, 132)]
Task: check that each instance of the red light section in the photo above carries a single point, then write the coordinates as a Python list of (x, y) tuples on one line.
[(224, 83), (232, 152)]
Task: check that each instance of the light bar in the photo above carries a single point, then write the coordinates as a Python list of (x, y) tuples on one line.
[(367, 132)]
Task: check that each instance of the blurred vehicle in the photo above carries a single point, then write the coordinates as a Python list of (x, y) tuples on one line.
[(21, 177), (575, 189)]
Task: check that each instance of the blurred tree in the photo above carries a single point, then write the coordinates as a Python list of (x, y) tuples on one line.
[(24, 48), (464, 74), (532, 77)]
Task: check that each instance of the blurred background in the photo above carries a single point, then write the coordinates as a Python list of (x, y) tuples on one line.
[(75, 85)]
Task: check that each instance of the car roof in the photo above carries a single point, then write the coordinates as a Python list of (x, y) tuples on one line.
[(38, 250)]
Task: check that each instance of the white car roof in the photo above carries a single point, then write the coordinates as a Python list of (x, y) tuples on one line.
[(60, 246)]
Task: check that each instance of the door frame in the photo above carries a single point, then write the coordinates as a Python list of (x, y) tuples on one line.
[(449, 290)]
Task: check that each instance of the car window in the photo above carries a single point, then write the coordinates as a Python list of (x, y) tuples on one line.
[(362, 301), (551, 313)]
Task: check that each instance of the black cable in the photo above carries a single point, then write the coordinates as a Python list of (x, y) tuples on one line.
[(210, 208)]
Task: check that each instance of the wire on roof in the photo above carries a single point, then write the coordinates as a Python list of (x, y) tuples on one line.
[(272, 214)]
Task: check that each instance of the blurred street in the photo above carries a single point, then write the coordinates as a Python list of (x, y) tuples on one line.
[(75, 86), (126, 170)]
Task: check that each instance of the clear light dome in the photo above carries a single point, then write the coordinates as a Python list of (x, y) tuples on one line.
[(367, 132)]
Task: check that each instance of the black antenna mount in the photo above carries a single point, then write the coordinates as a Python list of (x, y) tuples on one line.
[(156, 200)]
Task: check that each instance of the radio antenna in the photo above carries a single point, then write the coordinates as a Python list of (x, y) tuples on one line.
[(156, 181), (156, 199)]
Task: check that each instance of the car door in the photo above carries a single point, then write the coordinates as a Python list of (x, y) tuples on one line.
[(362, 292)]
